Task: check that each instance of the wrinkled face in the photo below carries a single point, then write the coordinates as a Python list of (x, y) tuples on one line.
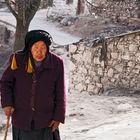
[(39, 50)]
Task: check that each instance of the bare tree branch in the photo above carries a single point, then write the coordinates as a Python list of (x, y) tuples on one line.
[(31, 9), (89, 3), (11, 9)]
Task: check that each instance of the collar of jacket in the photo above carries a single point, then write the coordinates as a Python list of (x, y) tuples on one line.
[(47, 62)]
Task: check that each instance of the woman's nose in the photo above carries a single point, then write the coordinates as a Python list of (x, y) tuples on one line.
[(39, 50)]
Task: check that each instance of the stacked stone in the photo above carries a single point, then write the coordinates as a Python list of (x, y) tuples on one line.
[(116, 8), (121, 68), (6, 43), (3, 30), (5, 36)]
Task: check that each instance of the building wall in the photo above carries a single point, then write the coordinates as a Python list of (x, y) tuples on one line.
[(102, 64)]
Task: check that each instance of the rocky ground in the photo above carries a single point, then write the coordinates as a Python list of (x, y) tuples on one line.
[(90, 26)]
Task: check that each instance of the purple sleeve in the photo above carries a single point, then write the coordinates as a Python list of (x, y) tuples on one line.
[(60, 99), (6, 87)]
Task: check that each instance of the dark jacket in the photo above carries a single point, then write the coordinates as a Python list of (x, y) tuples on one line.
[(48, 94)]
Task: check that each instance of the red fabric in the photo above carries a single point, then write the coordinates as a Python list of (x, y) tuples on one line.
[(49, 100)]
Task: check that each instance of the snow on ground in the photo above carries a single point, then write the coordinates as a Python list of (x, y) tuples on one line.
[(90, 117)]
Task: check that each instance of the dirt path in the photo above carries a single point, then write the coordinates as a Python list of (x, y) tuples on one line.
[(102, 118)]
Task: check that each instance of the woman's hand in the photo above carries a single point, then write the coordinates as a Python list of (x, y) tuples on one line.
[(54, 125), (8, 110)]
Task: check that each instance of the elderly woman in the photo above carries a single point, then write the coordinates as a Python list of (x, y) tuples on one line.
[(33, 90)]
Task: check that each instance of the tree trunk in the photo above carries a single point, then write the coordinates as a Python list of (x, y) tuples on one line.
[(138, 10), (24, 13), (50, 3), (47, 3), (20, 34), (69, 1), (80, 7)]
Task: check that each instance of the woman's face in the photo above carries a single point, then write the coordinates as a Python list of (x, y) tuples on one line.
[(39, 50)]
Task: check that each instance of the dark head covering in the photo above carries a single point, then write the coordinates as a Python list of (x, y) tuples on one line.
[(37, 35)]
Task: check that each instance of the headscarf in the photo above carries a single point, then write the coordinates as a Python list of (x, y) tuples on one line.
[(37, 35)]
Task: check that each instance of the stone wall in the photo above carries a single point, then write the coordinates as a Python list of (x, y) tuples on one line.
[(6, 36), (102, 64), (114, 9), (2, 4), (6, 45)]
